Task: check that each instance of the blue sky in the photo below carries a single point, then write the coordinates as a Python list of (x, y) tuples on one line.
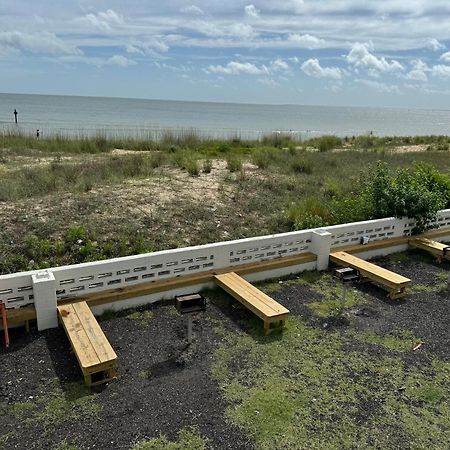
[(335, 52)]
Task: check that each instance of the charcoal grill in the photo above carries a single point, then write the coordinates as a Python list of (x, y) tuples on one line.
[(347, 274)]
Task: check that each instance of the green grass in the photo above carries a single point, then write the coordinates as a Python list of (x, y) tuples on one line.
[(188, 439), (58, 403), (335, 299), (142, 317), (20, 410), (400, 340), (64, 445), (305, 391)]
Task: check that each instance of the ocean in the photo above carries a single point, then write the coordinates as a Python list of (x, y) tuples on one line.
[(119, 117)]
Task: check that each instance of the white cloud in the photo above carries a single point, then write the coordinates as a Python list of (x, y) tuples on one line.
[(103, 21), (278, 65), (120, 60), (313, 68), (268, 82), (360, 56), (237, 68), (418, 72), (306, 41), (380, 87), (238, 31), (192, 9), (441, 71), (150, 46), (38, 42), (445, 57), (252, 11), (435, 45)]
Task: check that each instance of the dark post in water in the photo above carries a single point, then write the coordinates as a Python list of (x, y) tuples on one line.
[(15, 116)]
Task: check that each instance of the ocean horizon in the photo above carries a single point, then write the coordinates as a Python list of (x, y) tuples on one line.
[(74, 116)]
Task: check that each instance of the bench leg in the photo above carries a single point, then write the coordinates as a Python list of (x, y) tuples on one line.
[(395, 295), (88, 379), (279, 326)]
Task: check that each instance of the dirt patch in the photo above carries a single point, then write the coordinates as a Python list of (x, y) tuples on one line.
[(410, 148)]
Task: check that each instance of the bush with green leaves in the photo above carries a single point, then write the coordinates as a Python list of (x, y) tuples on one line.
[(418, 194)]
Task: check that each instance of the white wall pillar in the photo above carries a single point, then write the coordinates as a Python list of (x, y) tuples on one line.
[(44, 291), (321, 246)]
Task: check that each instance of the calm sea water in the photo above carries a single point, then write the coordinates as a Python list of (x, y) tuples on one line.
[(66, 115)]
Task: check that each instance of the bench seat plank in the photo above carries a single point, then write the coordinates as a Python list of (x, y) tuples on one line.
[(437, 249), (90, 345), (255, 300), (78, 337), (397, 283), (343, 258), (95, 334), (267, 305)]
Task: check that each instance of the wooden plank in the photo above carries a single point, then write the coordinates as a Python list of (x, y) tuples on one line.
[(263, 314), (78, 337), (94, 332), (254, 299), (370, 270), (259, 296), (437, 249)]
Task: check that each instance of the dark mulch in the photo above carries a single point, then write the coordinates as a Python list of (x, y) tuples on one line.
[(177, 393)]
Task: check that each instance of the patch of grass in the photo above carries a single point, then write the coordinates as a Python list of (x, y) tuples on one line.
[(20, 410), (401, 340), (64, 445), (234, 163), (144, 374), (141, 316), (327, 143), (61, 403), (335, 297), (304, 390), (418, 288), (188, 439)]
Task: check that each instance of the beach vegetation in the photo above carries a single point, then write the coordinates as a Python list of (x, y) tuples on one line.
[(234, 163)]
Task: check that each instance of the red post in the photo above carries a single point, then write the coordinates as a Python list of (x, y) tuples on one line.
[(5, 324)]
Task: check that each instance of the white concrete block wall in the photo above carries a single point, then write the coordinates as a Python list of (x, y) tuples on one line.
[(17, 290)]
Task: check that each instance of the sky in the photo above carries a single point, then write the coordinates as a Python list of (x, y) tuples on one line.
[(315, 52)]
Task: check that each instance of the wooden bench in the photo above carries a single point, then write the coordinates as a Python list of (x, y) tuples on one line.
[(271, 312), (437, 249), (395, 283), (93, 351)]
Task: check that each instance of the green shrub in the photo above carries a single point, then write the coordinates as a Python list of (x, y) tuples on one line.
[(418, 194), (234, 163), (301, 165), (309, 213), (327, 143), (262, 158)]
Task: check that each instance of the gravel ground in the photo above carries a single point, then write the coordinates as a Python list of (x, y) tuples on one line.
[(164, 386)]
